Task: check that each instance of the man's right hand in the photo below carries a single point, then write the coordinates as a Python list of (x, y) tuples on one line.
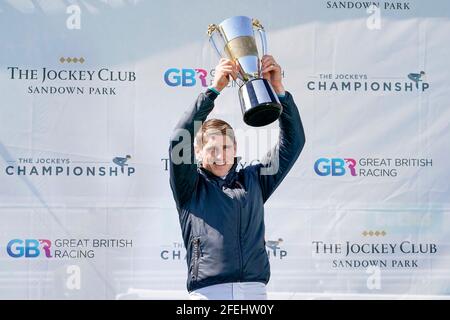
[(223, 71)]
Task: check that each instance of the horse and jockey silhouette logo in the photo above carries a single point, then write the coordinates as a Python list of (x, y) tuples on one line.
[(416, 77), (276, 250), (122, 161)]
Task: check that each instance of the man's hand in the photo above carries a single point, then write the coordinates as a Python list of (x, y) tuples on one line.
[(224, 70), (271, 71)]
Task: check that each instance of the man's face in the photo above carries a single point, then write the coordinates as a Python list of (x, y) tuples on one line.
[(218, 154)]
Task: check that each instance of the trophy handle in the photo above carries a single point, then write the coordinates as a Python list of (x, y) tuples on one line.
[(262, 35), (211, 29)]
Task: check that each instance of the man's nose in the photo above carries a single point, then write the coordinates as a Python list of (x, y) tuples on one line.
[(219, 155)]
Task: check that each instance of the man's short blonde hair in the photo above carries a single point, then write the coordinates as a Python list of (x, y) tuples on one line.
[(213, 127)]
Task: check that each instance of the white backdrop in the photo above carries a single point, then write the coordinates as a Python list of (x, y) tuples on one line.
[(339, 60)]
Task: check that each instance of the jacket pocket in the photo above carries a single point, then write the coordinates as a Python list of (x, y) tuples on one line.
[(196, 253)]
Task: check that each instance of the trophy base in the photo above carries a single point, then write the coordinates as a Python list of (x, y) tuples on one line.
[(259, 103)]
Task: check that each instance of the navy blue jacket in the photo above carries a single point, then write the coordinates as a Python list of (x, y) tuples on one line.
[(222, 220)]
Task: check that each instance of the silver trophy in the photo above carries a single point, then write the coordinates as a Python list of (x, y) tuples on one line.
[(234, 39)]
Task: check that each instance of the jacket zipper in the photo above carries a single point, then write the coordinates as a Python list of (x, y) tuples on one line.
[(196, 258), (239, 237)]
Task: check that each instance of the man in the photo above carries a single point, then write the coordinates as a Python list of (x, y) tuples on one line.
[(221, 210)]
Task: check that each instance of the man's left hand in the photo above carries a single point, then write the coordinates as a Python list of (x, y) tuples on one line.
[(271, 71)]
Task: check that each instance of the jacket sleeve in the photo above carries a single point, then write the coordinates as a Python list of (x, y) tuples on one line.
[(182, 164), (280, 159)]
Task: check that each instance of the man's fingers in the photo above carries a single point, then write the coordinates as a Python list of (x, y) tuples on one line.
[(268, 59), (269, 68), (226, 62), (269, 62), (227, 70)]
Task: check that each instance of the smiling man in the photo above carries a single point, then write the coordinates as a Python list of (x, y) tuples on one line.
[(215, 147), (221, 210)]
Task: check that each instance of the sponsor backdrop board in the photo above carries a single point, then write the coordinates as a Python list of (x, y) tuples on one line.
[(91, 90)]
